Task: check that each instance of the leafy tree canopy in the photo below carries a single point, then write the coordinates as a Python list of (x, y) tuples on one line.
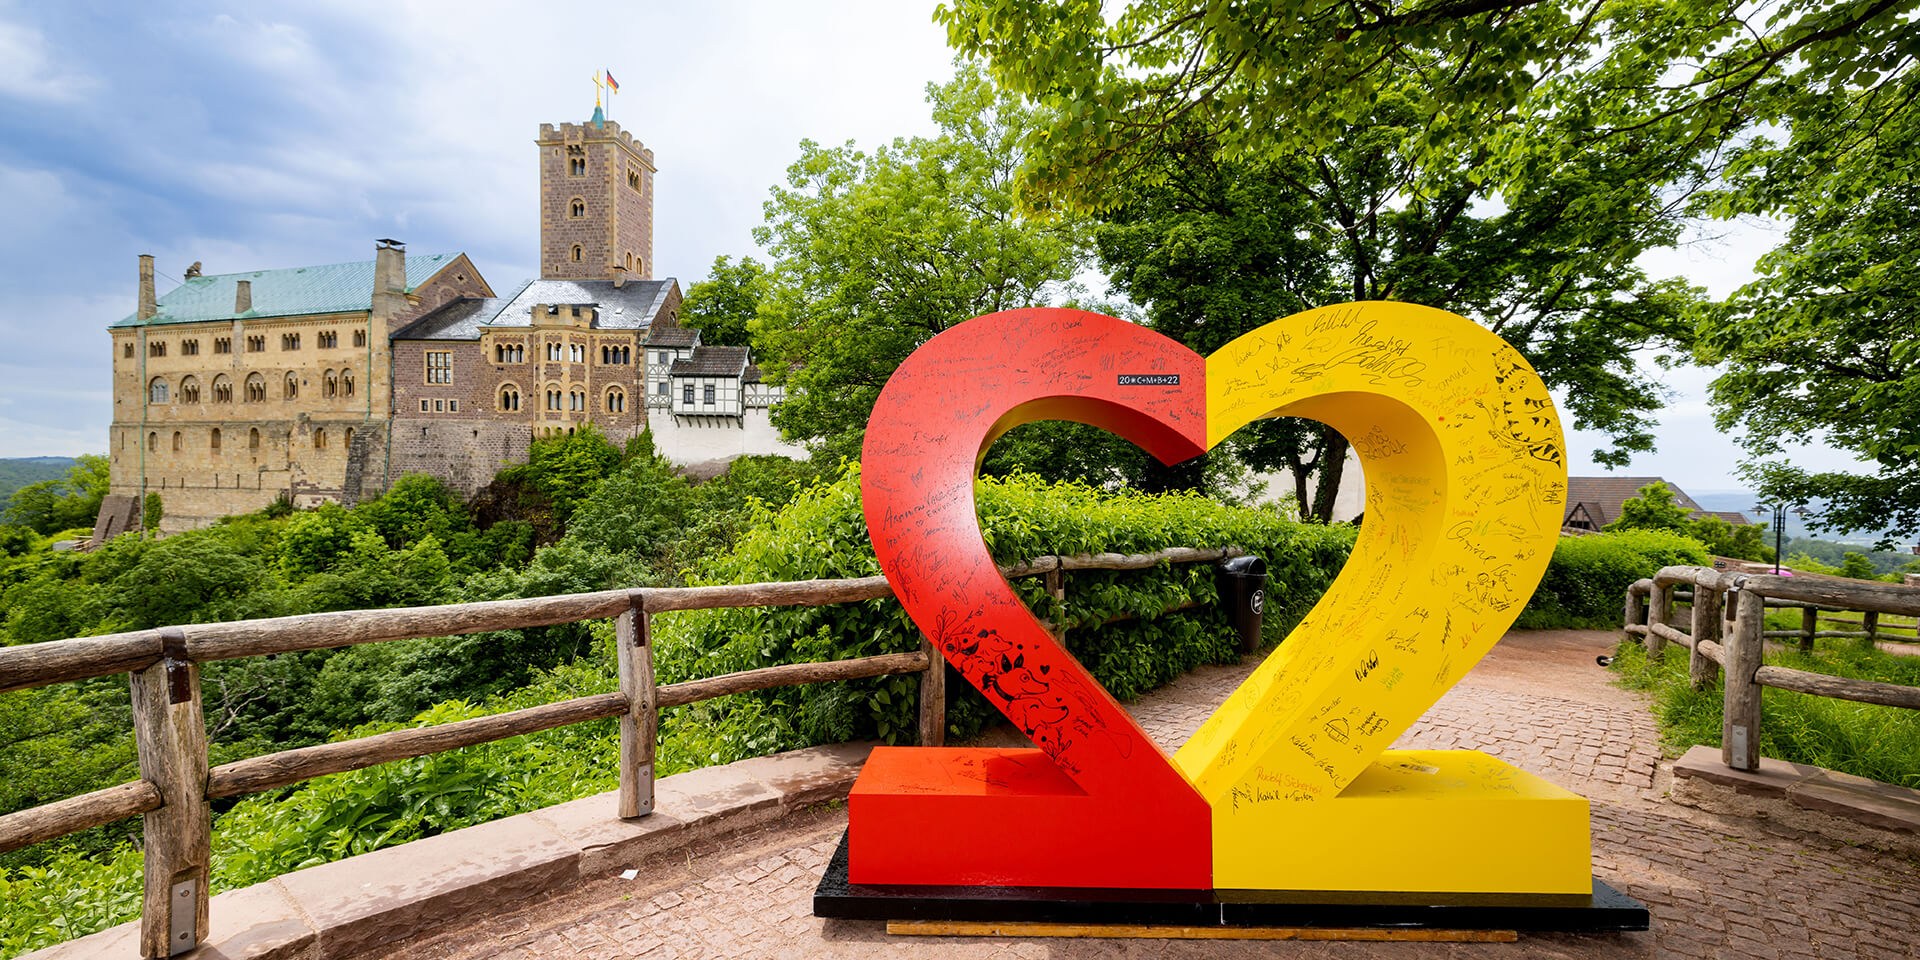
[(722, 306), (876, 252), (71, 501)]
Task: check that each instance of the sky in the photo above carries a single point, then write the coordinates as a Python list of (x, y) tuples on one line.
[(264, 135)]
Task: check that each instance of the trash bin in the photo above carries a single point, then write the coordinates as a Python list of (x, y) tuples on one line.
[(1243, 591)]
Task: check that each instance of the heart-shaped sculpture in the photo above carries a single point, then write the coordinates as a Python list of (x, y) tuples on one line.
[(1461, 448)]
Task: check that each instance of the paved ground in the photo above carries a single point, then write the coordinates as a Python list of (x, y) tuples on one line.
[(1717, 887)]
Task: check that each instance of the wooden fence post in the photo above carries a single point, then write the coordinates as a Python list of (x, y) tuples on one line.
[(1056, 580), (933, 697), (170, 735), (1870, 621), (1659, 609), (1706, 626), (640, 725), (1809, 625), (1635, 613), (1740, 723)]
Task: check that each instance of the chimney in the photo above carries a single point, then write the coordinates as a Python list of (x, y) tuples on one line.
[(147, 308), (389, 278), (619, 276), (243, 296)]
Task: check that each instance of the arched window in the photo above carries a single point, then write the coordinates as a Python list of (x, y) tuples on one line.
[(256, 388), (177, 441), (349, 438), (153, 443), (253, 439), (331, 385), (616, 401), (189, 390), (509, 398), (576, 253), (222, 389), (346, 383), (293, 385), (157, 391), (319, 439), (577, 208), (213, 440), (629, 261)]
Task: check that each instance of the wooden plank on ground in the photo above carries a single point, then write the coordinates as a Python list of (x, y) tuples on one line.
[(969, 928)]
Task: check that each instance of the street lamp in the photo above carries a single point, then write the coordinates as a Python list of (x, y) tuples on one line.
[(1778, 511)]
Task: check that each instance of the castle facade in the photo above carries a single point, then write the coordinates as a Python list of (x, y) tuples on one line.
[(327, 383)]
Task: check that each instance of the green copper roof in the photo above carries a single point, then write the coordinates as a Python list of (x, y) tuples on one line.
[(292, 292)]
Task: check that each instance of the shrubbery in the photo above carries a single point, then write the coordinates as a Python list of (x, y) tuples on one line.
[(1586, 582)]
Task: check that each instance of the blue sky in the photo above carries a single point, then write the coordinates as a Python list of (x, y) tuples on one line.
[(268, 135)]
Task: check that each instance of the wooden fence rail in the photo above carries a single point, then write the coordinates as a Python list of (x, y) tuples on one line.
[(176, 785), (1726, 636)]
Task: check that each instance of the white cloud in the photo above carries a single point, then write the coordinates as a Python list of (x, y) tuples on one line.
[(29, 71)]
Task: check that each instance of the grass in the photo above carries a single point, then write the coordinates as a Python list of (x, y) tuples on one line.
[(1881, 743)]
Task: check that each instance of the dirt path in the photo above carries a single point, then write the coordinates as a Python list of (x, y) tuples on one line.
[(1717, 887)]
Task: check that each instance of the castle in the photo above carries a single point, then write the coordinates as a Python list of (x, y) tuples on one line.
[(327, 383)]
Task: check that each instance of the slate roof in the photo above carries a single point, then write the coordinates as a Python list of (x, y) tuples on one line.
[(289, 292), (711, 362), (632, 307), (672, 335), (1601, 497)]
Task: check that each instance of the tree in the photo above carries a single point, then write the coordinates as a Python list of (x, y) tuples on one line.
[(1120, 84), (1654, 509), (1826, 343), (875, 253), (1214, 247), (51, 506), (1856, 565), (722, 306)]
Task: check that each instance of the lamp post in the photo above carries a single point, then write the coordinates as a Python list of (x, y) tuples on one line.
[(1778, 511)]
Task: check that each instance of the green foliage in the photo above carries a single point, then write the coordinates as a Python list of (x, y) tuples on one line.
[(1807, 564), (1586, 581), (1747, 541), (1880, 743), (822, 533), (1857, 566), (1656, 509), (561, 472), (875, 253), (58, 504), (1832, 554), (723, 306), (151, 510), (17, 472)]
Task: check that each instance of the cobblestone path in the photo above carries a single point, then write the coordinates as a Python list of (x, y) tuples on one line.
[(1717, 887)]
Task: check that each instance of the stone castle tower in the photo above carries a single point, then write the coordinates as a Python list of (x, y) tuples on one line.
[(596, 202)]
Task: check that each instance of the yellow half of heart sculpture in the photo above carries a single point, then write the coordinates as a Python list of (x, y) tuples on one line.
[(1466, 482)]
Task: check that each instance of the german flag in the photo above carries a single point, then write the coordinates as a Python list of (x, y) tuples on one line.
[(611, 84)]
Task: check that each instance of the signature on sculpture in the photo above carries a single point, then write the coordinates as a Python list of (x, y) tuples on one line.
[(1289, 785)]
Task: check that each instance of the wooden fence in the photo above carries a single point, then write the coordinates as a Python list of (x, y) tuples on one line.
[(176, 785), (1726, 634)]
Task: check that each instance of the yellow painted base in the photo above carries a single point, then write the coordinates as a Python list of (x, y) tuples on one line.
[(1449, 821)]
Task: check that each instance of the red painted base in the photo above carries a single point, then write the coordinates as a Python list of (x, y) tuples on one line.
[(1012, 818)]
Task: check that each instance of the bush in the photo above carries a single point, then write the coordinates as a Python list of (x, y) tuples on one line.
[(822, 534), (1586, 582)]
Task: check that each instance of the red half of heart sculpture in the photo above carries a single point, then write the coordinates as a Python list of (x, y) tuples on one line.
[(1097, 804)]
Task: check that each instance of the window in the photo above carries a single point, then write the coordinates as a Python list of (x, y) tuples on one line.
[(633, 179), (319, 439), (157, 348), (439, 366), (157, 391), (503, 353), (663, 388), (423, 406), (292, 386), (349, 438), (660, 357), (189, 348), (127, 350), (289, 341), (577, 353), (686, 394), (222, 389), (359, 338), (616, 401), (577, 161), (256, 344), (222, 344), (213, 440), (328, 339), (577, 209), (553, 399), (708, 399), (576, 253), (346, 383), (330, 386), (509, 398), (453, 406), (439, 406), (176, 441), (189, 390), (256, 388), (153, 443), (253, 439)]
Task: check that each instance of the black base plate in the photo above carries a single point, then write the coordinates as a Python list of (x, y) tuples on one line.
[(1606, 909)]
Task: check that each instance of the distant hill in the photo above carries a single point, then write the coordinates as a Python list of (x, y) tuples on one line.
[(19, 472), (1795, 526)]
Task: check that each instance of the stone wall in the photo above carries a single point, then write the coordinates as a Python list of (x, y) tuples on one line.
[(462, 453)]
